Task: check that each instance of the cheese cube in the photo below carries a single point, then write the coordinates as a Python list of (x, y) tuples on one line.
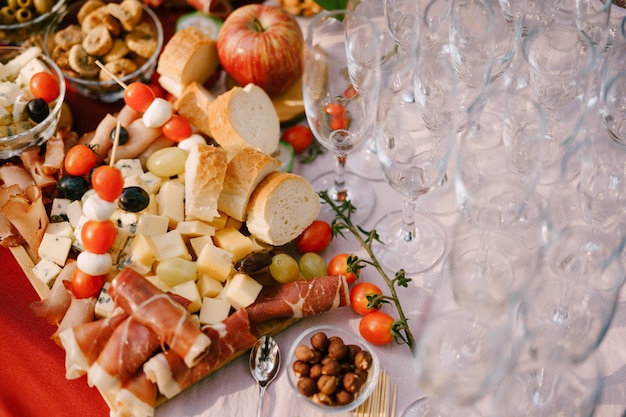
[(126, 260), (219, 222), (61, 229), (78, 239), (46, 271), (158, 283), (170, 245), (55, 248), (189, 290), (242, 291), (215, 262), (151, 182), (232, 222), (152, 225), (213, 310), (129, 167), (74, 212), (135, 181), (58, 211), (194, 228), (105, 305), (143, 250), (208, 286), (233, 241), (171, 200), (121, 238), (126, 220), (153, 206), (197, 243)]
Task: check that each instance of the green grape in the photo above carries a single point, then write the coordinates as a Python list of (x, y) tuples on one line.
[(174, 271), (167, 162), (284, 268), (313, 265)]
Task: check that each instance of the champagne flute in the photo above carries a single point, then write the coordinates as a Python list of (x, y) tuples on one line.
[(341, 86)]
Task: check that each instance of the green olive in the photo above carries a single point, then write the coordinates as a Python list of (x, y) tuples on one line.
[(43, 6), (24, 4), (23, 15), (8, 15)]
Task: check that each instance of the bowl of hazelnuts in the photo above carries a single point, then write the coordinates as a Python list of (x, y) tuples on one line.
[(332, 369)]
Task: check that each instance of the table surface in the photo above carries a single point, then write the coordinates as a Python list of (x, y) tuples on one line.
[(32, 377)]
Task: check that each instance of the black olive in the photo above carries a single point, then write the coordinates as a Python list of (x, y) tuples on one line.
[(133, 199), (123, 135), (72, 187), (37, 110)]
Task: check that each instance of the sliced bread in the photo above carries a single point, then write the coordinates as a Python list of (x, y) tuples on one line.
[(281, 207), (205, 170), (244, 117), (243, 174), (193, 104)]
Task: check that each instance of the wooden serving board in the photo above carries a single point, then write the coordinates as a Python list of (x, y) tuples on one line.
[(27, 259)]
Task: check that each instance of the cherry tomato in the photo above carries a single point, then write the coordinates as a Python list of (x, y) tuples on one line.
[(314, 238), (79, 160), (44, 85), (108, 182), (335, 109), (358, 297), (350, 92), (177, 128), (85, 286), (299, 137), (98, 236), (339, 122), (138, 96), (376, 327), (338, 265)]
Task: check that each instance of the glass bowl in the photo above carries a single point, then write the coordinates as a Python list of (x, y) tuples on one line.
[(18, 33), (110, 90), (349, 339), (12, 145)]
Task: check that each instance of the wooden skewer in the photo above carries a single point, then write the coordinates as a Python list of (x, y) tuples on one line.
[(116, 142), (110, 74)]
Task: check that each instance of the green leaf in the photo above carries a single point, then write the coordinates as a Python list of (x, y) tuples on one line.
[(332, 4)]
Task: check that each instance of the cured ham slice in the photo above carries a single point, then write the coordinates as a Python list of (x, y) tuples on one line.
[(28, 215), (33, 163), (55, 305), (83, 344), (172, 376), (100, 140), (80, 311), (53, 158), (130, 345), (300, 299), (168, 319), (16, 174), (136, 398)]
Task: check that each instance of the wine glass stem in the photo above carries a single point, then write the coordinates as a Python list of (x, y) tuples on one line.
[(340, 178), (409, 231)]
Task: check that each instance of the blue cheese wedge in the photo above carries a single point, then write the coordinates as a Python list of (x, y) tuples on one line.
[(55, 248), (46, 271)]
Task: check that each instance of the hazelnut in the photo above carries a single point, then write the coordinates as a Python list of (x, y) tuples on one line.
[(363, 360), (307, 386), (319, 341), (337, 349), (321, 398), (352, 382), (327, 384), (326, 359), (343, 397), (331, 367), (317, 356), (304, 353), (301, 368), (352, 351), (315, 371)]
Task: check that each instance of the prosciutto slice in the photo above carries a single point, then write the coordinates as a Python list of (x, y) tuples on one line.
[(80, 311), (171, 322), (136, 398), (53, 307), (129, 346), (83, 344), (300, 299), (172, 376)]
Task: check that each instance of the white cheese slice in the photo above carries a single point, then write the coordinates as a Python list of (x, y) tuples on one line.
[(214, 310), (55, 248)]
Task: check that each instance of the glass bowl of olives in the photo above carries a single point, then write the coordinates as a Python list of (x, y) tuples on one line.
[(332, 369), (102, 46), (30, 110), (21, 20)]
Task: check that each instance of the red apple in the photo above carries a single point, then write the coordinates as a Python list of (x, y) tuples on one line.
[(261, 44)]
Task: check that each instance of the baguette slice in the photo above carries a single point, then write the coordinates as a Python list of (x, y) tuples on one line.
[(205, 170), (281, 207), (193, 104), (243, 174), (243, 117), (190, 55)]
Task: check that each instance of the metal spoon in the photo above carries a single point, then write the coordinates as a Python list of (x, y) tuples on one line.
[(264, 365)]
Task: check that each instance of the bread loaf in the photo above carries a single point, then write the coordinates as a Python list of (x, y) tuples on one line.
[(205, 170), (190, 55), (243, 117), (193, 104), (243, 174), (281, 207)]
